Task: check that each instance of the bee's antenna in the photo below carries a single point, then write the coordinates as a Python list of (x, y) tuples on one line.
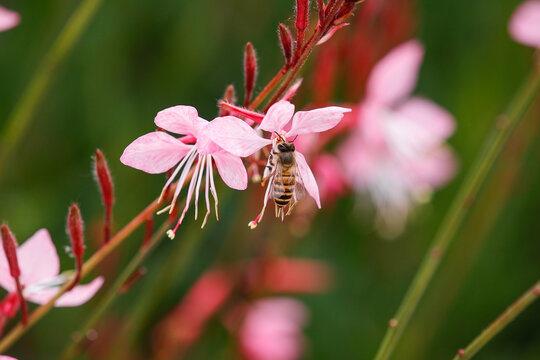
[(279, 136), (294, 138)]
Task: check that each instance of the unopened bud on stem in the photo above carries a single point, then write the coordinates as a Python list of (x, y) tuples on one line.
[(75, 230), (10, 249), (104, 180), (250, 71), (286, 42), (302, 9)]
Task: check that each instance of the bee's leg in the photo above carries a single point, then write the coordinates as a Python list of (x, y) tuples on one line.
[(291, 207), (276, 210), (266, 177)]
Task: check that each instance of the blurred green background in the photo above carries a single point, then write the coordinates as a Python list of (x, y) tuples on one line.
[(138, 57)]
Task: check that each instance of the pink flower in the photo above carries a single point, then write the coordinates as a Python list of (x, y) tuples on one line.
[(8, 19), (524, 26), (235, 136), (272, 330), (158, 152), (5, 357), (397, 153), (40, 274)]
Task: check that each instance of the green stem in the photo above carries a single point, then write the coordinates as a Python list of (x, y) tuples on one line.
[(500, 323), (27, 105), (73, 348), (504, 126)]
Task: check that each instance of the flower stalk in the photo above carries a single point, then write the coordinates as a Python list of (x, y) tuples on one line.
[(500, 323), (459, 209)]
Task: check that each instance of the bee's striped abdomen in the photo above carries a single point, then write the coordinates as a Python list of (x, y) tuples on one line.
[(283, 188)]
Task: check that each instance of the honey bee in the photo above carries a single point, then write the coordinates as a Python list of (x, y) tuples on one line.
[(286, 186)]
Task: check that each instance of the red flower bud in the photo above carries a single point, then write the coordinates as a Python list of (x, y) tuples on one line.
[(286, 42), (104, 178), (75, 228), (302, 8), (250, 71), (10, 249), (228, 97)]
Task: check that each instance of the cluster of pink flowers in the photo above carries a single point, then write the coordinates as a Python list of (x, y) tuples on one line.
[(223, 141)]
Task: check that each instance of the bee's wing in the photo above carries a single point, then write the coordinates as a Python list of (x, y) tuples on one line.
[(299, 190)]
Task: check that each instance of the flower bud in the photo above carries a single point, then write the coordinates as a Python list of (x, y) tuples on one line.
[(250, 71), (286, 42), (302, 8), (228, 97), (10, 249), (104, 179), (75, 228)]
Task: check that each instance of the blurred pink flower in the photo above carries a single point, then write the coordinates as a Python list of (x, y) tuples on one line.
[(272, 330), (237, 137), (524, 25), (40, 274), (8, 19), (396, 153), (158, 152), (330, 176), (5, 357)]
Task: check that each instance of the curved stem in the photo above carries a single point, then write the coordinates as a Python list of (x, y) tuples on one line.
[(72, 350), (500, 323), (88, 266), (504, 126), (27, 105)]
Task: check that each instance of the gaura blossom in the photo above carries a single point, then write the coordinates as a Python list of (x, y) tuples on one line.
[(397, 152), (272, 330), (8, 19), (40, 274), (235, 136), (524, 26), (158, 152)]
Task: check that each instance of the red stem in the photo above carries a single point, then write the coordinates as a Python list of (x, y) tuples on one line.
[(24, 305)]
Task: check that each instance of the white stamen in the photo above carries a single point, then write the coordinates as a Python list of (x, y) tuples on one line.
[(202, 159), (183, 177), (190, 190), (173, 175), (206, 188), (213, 186)]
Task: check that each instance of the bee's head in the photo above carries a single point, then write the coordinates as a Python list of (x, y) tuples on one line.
[(286, 147)]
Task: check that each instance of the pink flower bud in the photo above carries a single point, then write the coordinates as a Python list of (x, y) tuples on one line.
[(10, 249), (250, 71), (286, 42)]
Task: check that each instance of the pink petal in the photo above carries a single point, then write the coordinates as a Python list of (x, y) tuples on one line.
[(435, 169), (292, 90), (77, 296), (8, 19), (235, 136), (524, 26), (318, 120), (307, 178), (231, 169), (154, 153), (38, 259), (5, 357), (178, 119), (277, 116), (430, 117), (395, 75), (331, 33)]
